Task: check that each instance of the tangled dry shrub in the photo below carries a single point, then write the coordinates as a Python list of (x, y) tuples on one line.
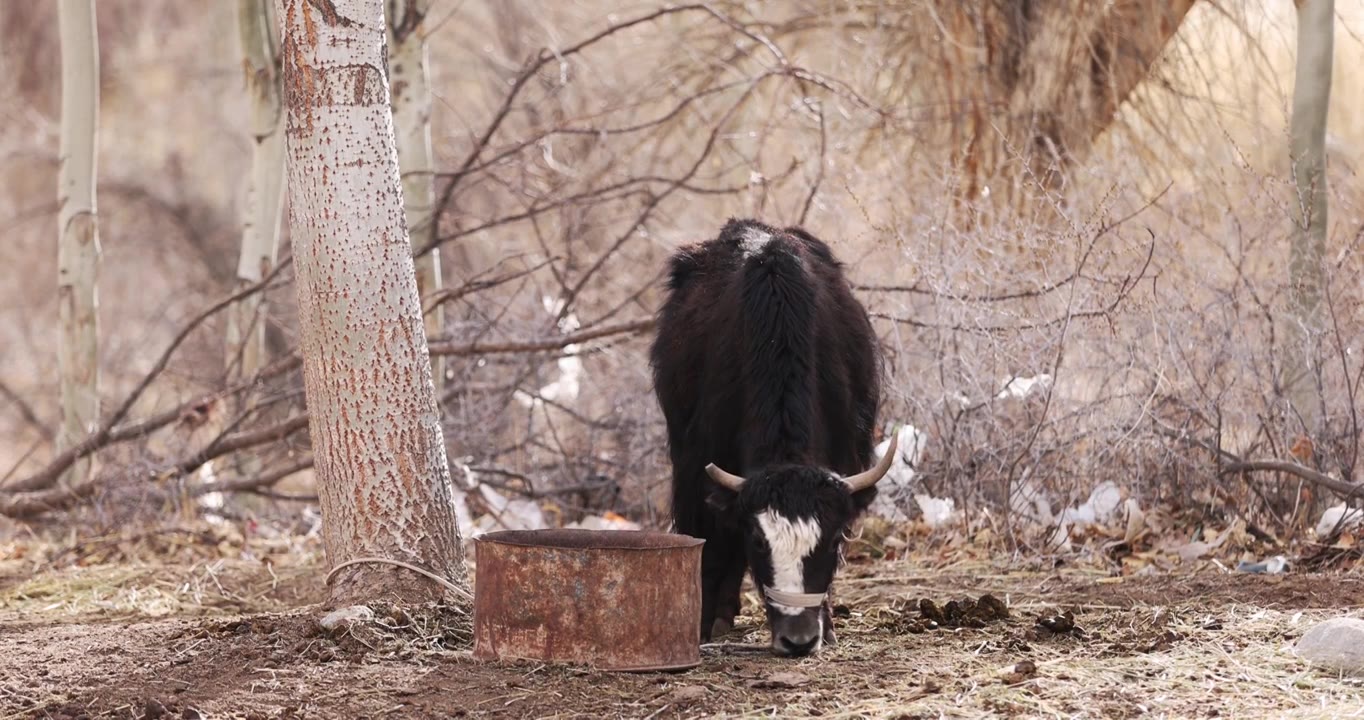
[(1146, 292)]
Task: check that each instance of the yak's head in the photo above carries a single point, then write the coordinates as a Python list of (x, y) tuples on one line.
[(795, 518)]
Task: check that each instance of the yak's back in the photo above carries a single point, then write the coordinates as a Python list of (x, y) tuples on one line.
[(762, 356)]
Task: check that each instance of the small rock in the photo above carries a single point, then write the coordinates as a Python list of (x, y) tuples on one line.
[(780, 681), (1337, 644), (1019, 672), (345, 618)]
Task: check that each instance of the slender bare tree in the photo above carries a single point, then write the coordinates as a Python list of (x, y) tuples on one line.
[(410, 87), (383, 481), (78, 248), (264, 187), (1311, 100), (258, 32)]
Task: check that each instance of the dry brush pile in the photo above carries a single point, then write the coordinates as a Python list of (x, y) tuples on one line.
[(1065, 296)]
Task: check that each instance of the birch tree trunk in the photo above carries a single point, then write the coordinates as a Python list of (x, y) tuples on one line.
[(264, 187), (78, 229), (411, 94), (383, 481), (1311, 99)]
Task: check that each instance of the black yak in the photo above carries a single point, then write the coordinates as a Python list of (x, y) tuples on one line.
[(767, 372)]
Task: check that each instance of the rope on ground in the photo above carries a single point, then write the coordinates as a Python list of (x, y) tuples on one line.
[(457, 590)]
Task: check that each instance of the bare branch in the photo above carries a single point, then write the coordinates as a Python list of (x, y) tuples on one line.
[(259, 483), (26, 412), (1340, 487), (239, 441), (23, 505), (102, 436), (633, 327)]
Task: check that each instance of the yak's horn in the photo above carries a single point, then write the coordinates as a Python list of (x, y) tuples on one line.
[(728, 479), (866, 479)]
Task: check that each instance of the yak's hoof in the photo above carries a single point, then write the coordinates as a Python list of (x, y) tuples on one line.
[(830, 639), (720, 628)]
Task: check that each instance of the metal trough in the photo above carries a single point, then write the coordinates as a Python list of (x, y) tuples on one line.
[(611, 599)]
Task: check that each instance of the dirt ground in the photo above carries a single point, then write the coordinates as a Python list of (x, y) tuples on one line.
[(239, 640)]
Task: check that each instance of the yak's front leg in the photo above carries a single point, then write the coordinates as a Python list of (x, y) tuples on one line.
[(728, 596), (826, 612), (722, 574)]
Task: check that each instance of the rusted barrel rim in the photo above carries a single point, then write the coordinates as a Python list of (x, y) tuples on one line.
[(581, 539), (617, 600)]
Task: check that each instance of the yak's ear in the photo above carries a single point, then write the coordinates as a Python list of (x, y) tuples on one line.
[(863, 499), (720, 498)]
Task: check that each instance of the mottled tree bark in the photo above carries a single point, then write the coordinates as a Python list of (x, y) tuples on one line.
[(1311, 100), (410, 87), (78, 229), (383, 481), (264, 187)]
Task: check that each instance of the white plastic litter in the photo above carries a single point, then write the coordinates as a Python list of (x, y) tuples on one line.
[(1273, 566), (937, 511), (507, 514), (211, 502), (1022, 387), (604, 522), (1100, 509), (463, 517), (1346, 517), (1101, 506), (896, 489), (1030, 502), (346, 617), (567, 386)]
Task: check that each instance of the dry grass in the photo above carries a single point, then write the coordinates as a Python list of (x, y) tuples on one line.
[(1191, 657), (1198, 645), (186, 571), (237, 636), (125, 591)]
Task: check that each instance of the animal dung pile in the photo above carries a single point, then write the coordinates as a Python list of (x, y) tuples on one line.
[(964, 613), (1058, 623)]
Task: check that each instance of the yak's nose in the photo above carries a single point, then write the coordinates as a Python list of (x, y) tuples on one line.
[(797, 646)]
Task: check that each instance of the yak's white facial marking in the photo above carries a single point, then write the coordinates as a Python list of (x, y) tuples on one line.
[(790, 541), (753, 241)]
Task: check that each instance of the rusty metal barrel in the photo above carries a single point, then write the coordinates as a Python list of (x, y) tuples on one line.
[(625, 600)]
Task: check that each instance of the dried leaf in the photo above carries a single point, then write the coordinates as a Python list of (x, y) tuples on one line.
[(1136, 522), (1193, 550), (1302, 449)]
